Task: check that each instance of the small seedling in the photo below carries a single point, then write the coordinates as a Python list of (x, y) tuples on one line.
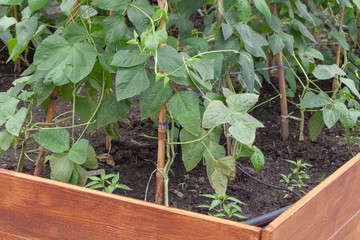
[(296, 176), (105, 184), (224, 206)]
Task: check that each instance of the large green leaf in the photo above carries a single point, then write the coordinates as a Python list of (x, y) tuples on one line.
[(6, 22), (327, 71), (245, 10), (311, 100), (137, 17), (226, 166), (288, 40), (78, 152), (215, 114), (55, 140), (130, 82), (42, 91), (184, 105), (213, 152), (242, 102), (243, 132), (330, 116), (154, 97), (219, 181), (115, 29), (192, 153), (112, 110), (253, 41), (128, 58), (36, 4), (351, 85), (74, 33), (25, 31), (61, 166), (304, 31), (276, 43), (65, 62), (169, 60), (7, 109), (85, 106), (303, 12), (350, 118), (263, 8), (113, 5), (316, 124), (83, 175), (14, 124), (340, 38)]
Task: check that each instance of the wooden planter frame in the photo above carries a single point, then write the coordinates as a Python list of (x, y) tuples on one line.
[(37, 208)]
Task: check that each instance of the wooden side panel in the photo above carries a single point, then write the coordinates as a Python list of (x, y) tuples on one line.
[(37, 208), (328, 211)]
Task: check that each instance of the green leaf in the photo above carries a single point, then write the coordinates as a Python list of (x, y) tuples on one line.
[(248, 75), (311, 100), (61, 166), (191, 153), (263, 8), (340, 38), (205, 67), (244, 8), (5, 140), (351, 85), (243, 132), (199, 44), (301, 28), (114, 5), (169, 60), (184, 105), (128, 58), (226, 166), (327, 71), (350, 118), (187, 7), (74, 177), (276, 43), (130, 82), (137, 17), (219, 182), (216, 151), (112, 110), (85, 107), (42, 91), (257, 159), (288, 40), (330, 116), (253, 41), (115, 29), (64, 62), (66, 6), (275, 23), (227, 30), (91, 160), (242, 102), (316, 124), (7, 109), (14, 124), (78, 151), (11, 2), (36, 4), (302, 11), (154, 97), (55, 140), (6, 22), (74, 33), (215, 114)]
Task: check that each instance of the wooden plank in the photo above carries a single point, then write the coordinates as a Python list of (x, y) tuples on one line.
[(38, 208), (324, 211), (350, 230)]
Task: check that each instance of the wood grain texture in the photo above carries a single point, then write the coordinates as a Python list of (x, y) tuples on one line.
[(37, 208), (330, 208)]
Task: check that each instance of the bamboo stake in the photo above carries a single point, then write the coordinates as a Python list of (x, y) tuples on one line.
[(16, 16), (282, 86), (223, 84), (162, 135), (336, 84), (50, 114), (108, 140)]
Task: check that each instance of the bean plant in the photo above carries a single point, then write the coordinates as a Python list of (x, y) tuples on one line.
[(210, 78)]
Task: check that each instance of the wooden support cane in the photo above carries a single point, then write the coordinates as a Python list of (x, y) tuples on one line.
[(282, 86)]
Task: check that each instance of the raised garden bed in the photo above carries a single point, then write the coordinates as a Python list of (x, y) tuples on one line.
[(38, 208)]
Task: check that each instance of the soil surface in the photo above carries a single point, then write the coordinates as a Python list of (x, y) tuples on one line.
[(135, 157)]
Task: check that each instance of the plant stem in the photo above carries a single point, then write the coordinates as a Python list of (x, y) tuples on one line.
[(22, 154)]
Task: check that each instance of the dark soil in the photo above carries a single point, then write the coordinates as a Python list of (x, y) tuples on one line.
[(135, 158)]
